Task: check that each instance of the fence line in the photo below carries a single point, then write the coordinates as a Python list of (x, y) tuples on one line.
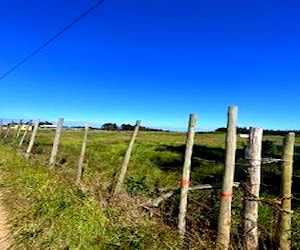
[(251, 188)]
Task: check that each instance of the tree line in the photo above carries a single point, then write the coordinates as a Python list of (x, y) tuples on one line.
[(245, 130), (127, 127), (106, 126)]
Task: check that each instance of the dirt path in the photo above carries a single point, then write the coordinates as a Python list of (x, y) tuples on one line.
[(4, 232)]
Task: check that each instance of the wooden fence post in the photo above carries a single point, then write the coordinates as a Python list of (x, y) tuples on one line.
[(25, 133), (8, 127), (286, 192), (124, 166), (186, 176), (18, 131), (82, 154), (252, 187), (224, 222), (56, 141), (32, 139), (1, 127)]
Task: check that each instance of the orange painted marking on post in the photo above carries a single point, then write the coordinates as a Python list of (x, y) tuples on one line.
[(184, 182), (226, 195)]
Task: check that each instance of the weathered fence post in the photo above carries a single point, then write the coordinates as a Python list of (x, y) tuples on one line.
[(1, 127), (186, 176), (56, 141), (32, 139), (252, 187), (286, 192), (224, 222), (124, 166), (25, 133), (8, 127), (18, 130), (82, 154)]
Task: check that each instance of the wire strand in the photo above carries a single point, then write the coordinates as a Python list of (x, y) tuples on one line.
[(63, 30)]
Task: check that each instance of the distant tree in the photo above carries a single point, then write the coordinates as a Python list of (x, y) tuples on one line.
[(221, 130), (277, 132), (12, 123), (28, 122), (238, 130), (45, 123), (243, 130), (110, 126), (153, 129), (127, 127), (266, 131)]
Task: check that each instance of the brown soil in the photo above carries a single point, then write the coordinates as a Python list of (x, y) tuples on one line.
[(4, 231)]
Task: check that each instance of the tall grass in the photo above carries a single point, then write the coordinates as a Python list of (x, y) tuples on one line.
[(48, 211)]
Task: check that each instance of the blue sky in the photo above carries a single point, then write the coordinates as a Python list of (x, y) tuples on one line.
[(157, 61)]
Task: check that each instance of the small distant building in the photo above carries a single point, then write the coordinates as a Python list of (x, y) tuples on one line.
[(23, 127), (48, 126), (244, 135)]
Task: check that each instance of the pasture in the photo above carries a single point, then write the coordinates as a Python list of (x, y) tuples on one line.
[(49, 210)]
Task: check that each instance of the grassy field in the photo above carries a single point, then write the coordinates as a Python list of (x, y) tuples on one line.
[(50, 211)]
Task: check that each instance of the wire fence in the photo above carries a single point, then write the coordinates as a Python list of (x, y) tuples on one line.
[(205, 202)]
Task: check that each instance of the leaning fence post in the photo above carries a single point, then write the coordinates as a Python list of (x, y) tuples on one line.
[(124, 166), (224, 222), (18, 131), (56, 141), (28, 126), (1, 127), (286, 192), (32, 139), (8, 127), (186, 176), (82, 154), (252, 186)]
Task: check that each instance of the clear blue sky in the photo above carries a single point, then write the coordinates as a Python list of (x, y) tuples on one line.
[(155, 60)]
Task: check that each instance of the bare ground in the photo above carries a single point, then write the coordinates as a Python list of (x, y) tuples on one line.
[(4, 231)]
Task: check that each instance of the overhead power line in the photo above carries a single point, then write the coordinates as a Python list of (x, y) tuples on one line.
[(51, 39)]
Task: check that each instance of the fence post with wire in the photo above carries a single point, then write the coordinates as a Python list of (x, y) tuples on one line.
[(32, 139), (286, 192), (224, 222), (56, 142), (251, 188), (185, 181)]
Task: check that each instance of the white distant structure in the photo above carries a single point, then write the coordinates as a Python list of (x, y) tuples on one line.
[(244, 135), (23, 127), (48, 126)]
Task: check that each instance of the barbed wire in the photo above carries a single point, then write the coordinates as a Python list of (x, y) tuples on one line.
[(276, 202), (273, 202), (266, 160)]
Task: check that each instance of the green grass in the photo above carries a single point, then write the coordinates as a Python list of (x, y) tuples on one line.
[(51, 211)]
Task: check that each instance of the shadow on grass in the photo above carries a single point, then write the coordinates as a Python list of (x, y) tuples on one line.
[(205, 161), (200, 153)]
